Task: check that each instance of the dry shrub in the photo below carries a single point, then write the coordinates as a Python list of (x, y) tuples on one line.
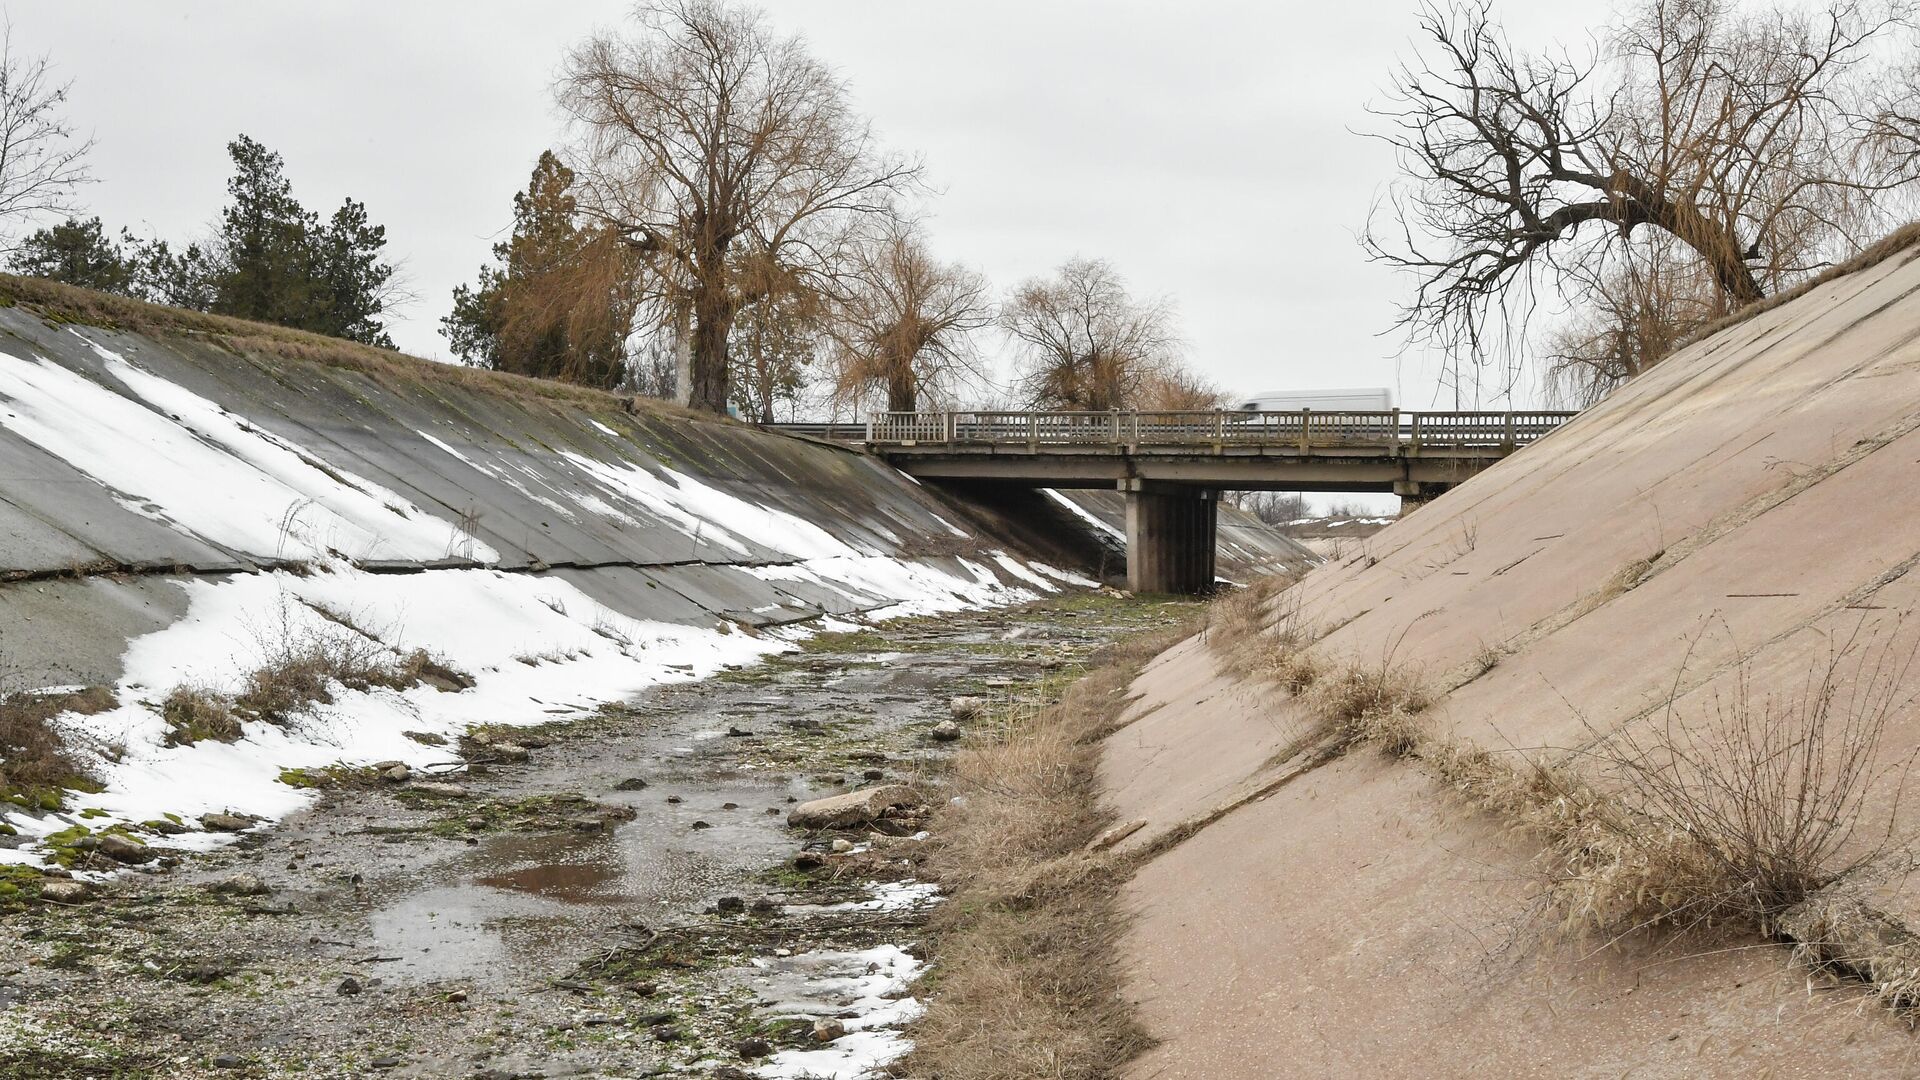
[(1732, 818), (1358, 703), (194, 712), (1754, 805), (35, 762), (300, 665), (1027, 986)]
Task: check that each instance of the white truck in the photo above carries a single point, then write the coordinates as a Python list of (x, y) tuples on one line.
[(1360, 399)]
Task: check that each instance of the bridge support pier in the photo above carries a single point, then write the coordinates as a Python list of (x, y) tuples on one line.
[(1170, 538), (1414, 495)]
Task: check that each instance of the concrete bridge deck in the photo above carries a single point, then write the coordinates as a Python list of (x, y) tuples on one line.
[(1172, 465)]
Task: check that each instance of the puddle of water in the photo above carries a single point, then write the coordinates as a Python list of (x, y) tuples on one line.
[(515, 899)]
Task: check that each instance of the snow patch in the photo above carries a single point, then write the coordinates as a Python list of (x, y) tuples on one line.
[(175, 457)]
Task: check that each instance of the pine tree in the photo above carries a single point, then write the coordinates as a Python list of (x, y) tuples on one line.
[(80, 253), (350, 280), (267, 237)]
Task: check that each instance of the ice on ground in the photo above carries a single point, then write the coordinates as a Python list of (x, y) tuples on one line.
[(173, 456), (882, 896), (865, 990)]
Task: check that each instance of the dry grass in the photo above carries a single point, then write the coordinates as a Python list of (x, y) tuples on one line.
[(1358, 703), (35, 763), (299, 665), (1734, 818), (1758, 803), (66, 303), (1027, 986)]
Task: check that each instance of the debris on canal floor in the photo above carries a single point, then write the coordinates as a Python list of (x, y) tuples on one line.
[(494, 933)]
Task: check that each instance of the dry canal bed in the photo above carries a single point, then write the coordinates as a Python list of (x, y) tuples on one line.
[(619, 896)]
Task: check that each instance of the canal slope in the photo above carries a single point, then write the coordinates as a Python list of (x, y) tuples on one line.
[(1472, 800)]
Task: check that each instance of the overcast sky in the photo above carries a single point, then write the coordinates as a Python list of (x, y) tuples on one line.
[(1206, 149)]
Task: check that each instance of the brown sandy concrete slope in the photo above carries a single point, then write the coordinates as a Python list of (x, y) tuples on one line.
[(1723, 525)]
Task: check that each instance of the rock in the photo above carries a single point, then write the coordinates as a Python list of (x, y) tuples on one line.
[(383, 766), (875, 774), (398, 774), (753, 1048), (165, 827), (673, 798), (946, 731), (125, 849), (456, 996), (505, 751), (965, 708), (229, 1061), (841, 847), (242, 884), (739, 733), (807, 860), (385, 1063), (828, 1029), (1116, 834), (56, 891), (729, 905), (701, 825), (587, 824), (728, 1072), (764, 905), (853, 808), (438, 789), (426, 738), (666, 1033), (631, 783), (348, 987), (729, 806), (226, 822)]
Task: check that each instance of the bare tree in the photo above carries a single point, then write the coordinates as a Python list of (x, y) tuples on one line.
[(1175, 387), (703, 133), (776, 339), (1649, 302), (906, 322), (1735, 134), (1083, 342), (42, 160)]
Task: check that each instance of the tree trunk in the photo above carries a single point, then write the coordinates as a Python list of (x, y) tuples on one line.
[(903, 390), (711, 326)]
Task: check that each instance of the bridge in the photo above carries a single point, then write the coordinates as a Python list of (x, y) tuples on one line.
[(1172, 465)]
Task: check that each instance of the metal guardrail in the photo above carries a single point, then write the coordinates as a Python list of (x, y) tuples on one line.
[(1305, 428)]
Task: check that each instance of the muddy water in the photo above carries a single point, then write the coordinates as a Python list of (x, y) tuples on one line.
[(713, 813), (401, 938)]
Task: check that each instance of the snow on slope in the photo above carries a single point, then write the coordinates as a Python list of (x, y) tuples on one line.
[(175, 457), (537, 647)]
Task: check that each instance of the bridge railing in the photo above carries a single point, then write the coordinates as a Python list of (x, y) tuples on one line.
[(1305, 428)]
